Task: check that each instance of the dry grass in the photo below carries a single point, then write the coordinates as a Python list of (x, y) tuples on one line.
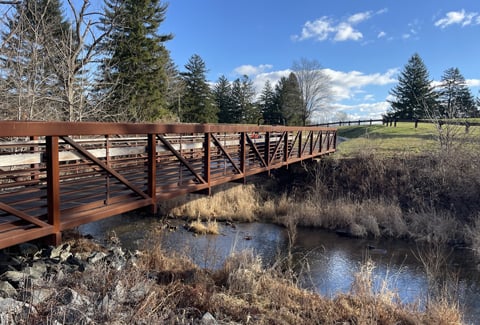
[(230, 202), (204, 228), (473, 235), (154, 287)]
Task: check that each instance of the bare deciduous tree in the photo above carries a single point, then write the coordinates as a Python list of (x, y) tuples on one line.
[(314, 86), (46, 70), (78, 50)]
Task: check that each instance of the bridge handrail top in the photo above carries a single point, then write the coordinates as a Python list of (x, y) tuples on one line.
[(40, 128)]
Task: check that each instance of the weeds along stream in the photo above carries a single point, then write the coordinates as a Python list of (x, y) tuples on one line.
[(323, 261)]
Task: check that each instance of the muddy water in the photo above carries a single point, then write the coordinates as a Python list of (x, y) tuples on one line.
[(327, 262)]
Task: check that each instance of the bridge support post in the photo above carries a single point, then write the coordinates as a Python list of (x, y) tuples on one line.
[(53, 189), (152, 170), (267, 151), (207, 162), (243, 155)]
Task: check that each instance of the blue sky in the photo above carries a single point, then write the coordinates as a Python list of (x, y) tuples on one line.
[(362, 45)]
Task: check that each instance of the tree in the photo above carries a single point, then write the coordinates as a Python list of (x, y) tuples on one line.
[(455, 98), (289, 99), (133, 73), (315, 89), (269, 107), (243, 97), (30, 85), (198, 105), (414, 96), (175, 90), (222, 92)]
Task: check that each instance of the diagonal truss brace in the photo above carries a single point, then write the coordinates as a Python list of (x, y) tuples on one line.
[(255, 149), (106, 168), (167, 144), (23, 215), (279, 143), (219, 145)]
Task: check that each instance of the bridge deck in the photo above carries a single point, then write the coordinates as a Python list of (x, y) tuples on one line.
[(58, 175)]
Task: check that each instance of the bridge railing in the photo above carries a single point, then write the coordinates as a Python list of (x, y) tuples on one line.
[(58, 175)]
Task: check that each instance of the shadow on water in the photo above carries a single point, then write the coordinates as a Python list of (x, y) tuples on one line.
[(331, 260)]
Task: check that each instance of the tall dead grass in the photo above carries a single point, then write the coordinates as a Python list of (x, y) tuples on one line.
[(155, 287), (229, 202)]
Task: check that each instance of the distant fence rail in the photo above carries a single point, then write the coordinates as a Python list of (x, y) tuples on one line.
[(393, 122)]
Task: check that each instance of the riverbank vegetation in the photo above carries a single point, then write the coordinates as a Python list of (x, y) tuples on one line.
[(80, 283)]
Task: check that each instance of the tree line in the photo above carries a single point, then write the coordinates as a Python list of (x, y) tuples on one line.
[(67, 61), (112, 64), (416, 96)]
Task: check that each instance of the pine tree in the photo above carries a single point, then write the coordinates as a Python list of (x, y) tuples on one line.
[(175, 89), (414, 94), (269, 105), (134, 70), (289, 99), (222, 92), (455, 98), (244, 108), (198, 105)]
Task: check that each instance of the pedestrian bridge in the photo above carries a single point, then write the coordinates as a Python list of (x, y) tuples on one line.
[(56, 176)]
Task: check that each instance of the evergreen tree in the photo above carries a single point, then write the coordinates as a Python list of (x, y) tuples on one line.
[(414, 95), (289, 99), (222, 92), (243, 95), (455, 98), (175, 89), (134, 71), (198, 105), (269, 107), (30, 85)]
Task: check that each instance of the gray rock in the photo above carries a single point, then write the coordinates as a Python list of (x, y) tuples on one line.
[(36, 271), (39, 295), (71, 297), (61, 253), (16, 308), (96, 257), (7, 290), (208, 319), (14, 276)]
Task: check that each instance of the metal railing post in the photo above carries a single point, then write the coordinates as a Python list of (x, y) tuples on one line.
[(207, 160), (152, 170), (243, 154), (53, 188)]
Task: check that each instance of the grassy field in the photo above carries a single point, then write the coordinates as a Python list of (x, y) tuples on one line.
[(404, 138)]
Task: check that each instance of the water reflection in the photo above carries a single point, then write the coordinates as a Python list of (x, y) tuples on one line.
[(331, 260)]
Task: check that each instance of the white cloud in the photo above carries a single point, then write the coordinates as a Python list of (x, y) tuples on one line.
[(327, 28), (364, 111), (250, 70), (473, 82), (318, 29), (274, 76), (359, 17), (381, 34), (346, 32), (346, 85), (458, 17)]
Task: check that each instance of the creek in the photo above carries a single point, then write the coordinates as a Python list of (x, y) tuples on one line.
[(325, 261)]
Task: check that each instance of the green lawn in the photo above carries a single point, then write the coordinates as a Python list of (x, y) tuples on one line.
[(404, 138)]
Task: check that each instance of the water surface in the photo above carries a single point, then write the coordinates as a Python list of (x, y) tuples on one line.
[(324, 261)]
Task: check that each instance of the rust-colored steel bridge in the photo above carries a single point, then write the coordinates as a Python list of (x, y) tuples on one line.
[(58, 175)]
